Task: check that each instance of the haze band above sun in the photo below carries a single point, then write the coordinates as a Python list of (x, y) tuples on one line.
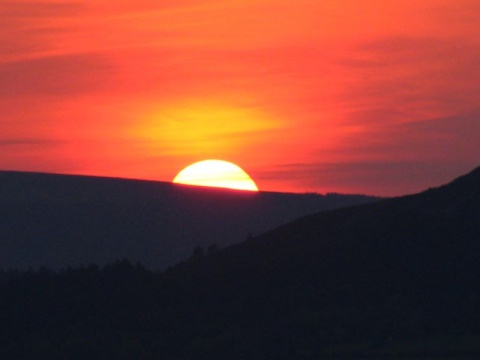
[(216, 173)]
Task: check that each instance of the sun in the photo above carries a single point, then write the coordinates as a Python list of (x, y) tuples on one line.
[(216, 173)]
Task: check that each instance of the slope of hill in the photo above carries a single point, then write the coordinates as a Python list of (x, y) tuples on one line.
[(400, 271), (395, 279), (58, 220)]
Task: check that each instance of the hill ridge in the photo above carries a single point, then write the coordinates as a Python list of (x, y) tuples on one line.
[(67, 220)]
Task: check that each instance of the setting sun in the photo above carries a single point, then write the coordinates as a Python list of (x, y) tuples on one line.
[(216, 173)]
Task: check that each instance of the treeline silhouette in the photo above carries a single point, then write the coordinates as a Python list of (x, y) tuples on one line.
[(197, 310)]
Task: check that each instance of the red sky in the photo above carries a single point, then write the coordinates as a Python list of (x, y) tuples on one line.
[(371, 96)]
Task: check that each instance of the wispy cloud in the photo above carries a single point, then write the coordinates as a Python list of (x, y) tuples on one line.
[(27, 142), (28, 26), (61, 76)]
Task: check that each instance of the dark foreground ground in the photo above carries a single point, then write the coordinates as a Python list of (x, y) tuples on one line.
[(124, 311), (394, 279)]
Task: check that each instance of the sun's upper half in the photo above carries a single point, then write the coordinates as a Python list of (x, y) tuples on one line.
[(216, 173)]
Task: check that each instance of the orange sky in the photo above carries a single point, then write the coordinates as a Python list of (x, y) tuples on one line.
[(371, 96)]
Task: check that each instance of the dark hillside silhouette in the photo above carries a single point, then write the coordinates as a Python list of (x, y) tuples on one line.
[(58, 220), (402, 269), (395, 279)]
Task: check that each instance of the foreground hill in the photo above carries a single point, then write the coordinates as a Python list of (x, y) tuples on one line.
[(396, 275), (395, 279), (57, 220)]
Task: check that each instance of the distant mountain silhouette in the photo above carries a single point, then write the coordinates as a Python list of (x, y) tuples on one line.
[(393, 279), (58, 220)]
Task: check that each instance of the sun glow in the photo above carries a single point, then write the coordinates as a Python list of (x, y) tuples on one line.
[(216, 173), (203, 128)]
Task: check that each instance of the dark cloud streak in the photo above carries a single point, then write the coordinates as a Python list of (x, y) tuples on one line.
[(33, 9), (60, 76), (28, 142)]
